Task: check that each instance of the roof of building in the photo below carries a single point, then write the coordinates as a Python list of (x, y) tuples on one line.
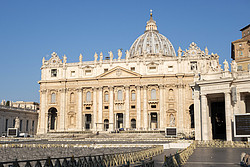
[(245, 27)]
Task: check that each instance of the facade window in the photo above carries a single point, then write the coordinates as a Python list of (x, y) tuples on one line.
[(88, 108), (88, 96), (27, 125), (53, 72), (152, 68), (6, 124), (73, 73), (170, 69), (14, 121), (87, 72), (33, 126), (133, 123), (241, 53), (133, 95), (106, 96), (106, 107), (133, 107), (119, 95), (21, 125), (72, 98), (240, 45), (153, 94), (153, 106), (53, 98), (239, 68), (132, 68), (106, 69)]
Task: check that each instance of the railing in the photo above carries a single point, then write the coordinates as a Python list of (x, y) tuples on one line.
[(180, 158), (138, 158), (17, 108)]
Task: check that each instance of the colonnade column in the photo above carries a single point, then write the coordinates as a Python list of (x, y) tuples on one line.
[(62, 109), (94, 109), (83, 122), (161, 107), (205, 135), (111, 109), (145, 111), (42, 129), (197, 115), (127, 124), (79, 114), (228, 116), (100, 125), (138, 107)]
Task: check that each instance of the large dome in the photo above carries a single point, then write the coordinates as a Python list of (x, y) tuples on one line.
[(151, 42)]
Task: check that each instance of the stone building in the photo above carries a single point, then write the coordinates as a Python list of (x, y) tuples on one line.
[(149, 89), (241, 50), (26, 114)]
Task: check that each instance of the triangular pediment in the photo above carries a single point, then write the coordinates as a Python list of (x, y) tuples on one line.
[(119, 72)]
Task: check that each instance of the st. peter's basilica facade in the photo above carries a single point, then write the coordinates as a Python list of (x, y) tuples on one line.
[(148, 90)]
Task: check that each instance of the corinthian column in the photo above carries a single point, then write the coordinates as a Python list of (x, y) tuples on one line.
[(145, 110), (100, 125), (138, 107), (228, 116), (79, 113), (111, 108), (94, 109), (62, 109), (43, 125), (205, 135), (161, 107), (127, 124)]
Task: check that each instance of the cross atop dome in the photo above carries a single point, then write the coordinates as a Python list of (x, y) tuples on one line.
[(151, 24)]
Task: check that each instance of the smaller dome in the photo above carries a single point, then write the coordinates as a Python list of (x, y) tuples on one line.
[(151, 42)]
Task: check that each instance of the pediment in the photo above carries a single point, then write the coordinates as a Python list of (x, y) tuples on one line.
[(119, 72)]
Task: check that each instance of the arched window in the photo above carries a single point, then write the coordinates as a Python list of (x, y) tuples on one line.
[(153, 94), (88, 96), (72, 98), (119, 95), (53, 98), (133, 95), (106, 96)]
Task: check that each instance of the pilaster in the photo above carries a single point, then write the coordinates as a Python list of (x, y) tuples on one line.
[(100, 125), (145, 110), (111, 108), (79, 113), (161, 107), (138, 107), (94, 108), (228, 116), (205, 135), (127, 122)]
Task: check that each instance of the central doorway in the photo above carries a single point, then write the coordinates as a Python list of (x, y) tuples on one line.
[(119, 120), (87, 121), (218, 120), (154, 121)]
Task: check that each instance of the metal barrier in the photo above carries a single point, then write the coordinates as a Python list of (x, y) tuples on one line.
[(180, 158), (223, 144), (245, 160), (120, 159)]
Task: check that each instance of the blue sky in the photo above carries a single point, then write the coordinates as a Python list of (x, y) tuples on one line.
[(31, 30)]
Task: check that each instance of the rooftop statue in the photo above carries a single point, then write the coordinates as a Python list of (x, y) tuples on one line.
[(226, 67), (80, 58), (96, 56), (119, 54)]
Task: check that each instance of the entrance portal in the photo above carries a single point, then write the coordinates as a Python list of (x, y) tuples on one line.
[(218, 120), (106, 124), (154, 120), (119, 120), (87, 121), (52, 115)]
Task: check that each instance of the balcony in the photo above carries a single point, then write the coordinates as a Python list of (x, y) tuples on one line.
[(88, 103), (119, 101), (153, 101)]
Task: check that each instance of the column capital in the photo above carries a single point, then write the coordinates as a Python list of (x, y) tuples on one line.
[(126, 87), (111, 88), (138, 86), (43, 91), (203, 94), (79, 89), (227, 92), (161, 86), (145, 86), (63, 90)]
